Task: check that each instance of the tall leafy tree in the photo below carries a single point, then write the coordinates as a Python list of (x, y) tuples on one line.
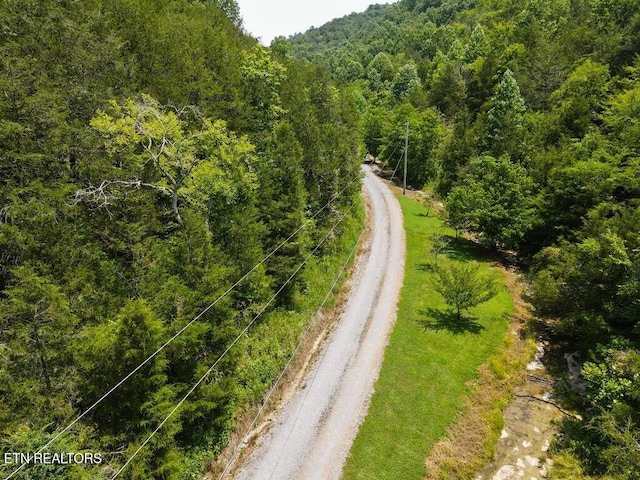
[(406, 82), (478, 45), (174, 159), (283, 204), (36, 323), (262, 77), (447, 87), (580, 99), (383, 64), (494, 202)]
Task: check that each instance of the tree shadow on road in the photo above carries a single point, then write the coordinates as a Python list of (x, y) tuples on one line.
[(436, 319)]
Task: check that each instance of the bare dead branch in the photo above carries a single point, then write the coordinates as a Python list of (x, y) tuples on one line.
[(4, 214), (101, 196)]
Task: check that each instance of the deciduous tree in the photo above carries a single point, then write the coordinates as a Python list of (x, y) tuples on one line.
[(463, 286)]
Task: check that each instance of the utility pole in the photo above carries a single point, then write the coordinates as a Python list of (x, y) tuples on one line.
[(406, 149)]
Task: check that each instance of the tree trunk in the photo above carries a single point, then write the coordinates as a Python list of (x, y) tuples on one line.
[(174, 205), (43, 361)]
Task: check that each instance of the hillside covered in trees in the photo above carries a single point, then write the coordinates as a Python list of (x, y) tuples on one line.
[(525, 119), (151, 154)]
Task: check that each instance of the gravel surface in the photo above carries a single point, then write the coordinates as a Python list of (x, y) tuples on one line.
[(313, 433)]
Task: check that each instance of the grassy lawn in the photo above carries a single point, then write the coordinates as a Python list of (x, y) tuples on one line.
[(428, 362)]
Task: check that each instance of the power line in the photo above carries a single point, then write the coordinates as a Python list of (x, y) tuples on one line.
[(295, 351), (390, 156), (197, 384), (396, 169), (196, 318), (297, 415)]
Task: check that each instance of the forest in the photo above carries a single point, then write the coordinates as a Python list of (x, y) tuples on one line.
[(152, 154), (524, 120)]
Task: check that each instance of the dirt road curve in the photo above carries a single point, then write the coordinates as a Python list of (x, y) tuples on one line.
[(312, 436)]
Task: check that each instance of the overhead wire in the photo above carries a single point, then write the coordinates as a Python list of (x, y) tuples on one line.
[(273, 388), (183, 329), (391, 156), (395, 169), (235, 341), (309, 384)]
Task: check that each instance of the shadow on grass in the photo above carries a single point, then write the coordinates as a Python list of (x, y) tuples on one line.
[(464, 250), (437, 319), (426, 267)]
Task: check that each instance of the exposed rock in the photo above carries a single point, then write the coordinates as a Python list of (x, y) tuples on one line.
[(529, 428), (575, 377)]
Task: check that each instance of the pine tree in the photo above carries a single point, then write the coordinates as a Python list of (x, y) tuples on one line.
[(477, 46), (505, 119)]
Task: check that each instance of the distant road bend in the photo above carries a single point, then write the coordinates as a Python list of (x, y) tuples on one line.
[(313, 433)]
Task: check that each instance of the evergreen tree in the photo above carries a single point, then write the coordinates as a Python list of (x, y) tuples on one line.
[(478, 45), (283, 205), (505, 119)]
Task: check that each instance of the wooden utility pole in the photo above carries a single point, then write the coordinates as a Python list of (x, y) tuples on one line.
[(406, 149)]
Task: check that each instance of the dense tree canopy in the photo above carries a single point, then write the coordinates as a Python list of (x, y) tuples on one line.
[(536, 106), (151, 154)]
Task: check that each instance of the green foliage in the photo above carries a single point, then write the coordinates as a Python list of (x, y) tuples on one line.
[(536, 152), (190, 166), (621, 120), (462, 210), (382, 64), (447, 88), (612, 382), (406, 82), (463, 286), (36, 322), (426, 132), (283, 205), (611, 427), (111, 350), (25, 438), (505, 119), (150, 155), (493, 202), (261, 79), (478, 45), (579, 100), (563, 281), (439, 245)]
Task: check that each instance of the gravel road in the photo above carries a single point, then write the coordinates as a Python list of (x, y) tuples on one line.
[(313, 433)]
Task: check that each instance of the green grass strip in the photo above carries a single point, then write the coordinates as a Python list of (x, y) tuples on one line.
[(428, 363)]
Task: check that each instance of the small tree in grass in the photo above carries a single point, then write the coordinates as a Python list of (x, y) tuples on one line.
[(463, 286), (439, 243)]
